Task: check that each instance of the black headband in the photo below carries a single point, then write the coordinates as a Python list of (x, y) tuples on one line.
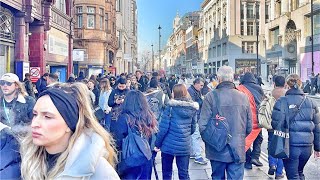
[(66, 104)]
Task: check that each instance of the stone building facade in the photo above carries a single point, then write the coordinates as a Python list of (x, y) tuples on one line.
[(95, 36), (288, 37), (230, 35)]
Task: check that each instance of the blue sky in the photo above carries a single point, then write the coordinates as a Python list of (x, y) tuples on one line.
[(151, 13)]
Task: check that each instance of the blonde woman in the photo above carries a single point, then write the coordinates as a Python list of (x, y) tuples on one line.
[(66, 141), (106, 90)]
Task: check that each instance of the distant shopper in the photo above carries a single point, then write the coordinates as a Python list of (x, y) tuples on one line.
[(28, 85), (183, 80), (142, 81), (41, 84), (105, 92), (52, 79)]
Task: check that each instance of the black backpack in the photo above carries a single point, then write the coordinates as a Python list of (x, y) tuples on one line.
[(135, 151)]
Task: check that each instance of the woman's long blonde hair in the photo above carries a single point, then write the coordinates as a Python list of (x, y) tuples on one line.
[(105, 85), (34, 166)]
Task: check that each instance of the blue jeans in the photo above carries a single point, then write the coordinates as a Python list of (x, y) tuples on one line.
[(107, 118), (182, 164), (233, 170), (294, 165), (195, 143), (274, 161)]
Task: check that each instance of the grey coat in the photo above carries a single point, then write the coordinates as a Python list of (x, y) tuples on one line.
[(236, 109)]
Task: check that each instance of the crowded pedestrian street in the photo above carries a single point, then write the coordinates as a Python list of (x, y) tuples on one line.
[(159, 89)]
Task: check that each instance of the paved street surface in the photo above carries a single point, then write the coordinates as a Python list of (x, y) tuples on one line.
[(202, 172)]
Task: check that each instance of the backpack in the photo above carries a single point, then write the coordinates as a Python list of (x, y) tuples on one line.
[(153, 102), (217, 133), (265, 112), (135, 150)]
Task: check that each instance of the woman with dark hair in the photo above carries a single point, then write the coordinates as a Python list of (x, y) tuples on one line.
[(304, 126), (177, 124), (137, 113)]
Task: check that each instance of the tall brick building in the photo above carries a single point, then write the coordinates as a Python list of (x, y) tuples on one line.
[(35, 33), (95, 36)]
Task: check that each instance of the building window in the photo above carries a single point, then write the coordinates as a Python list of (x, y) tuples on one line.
[(210, 53), (6, 24), (107, 21), (249, 28), (316, 23), (219, 50), (224, 49), (214, 52), (79, 17), (267, 12), (242, 28), (257, 11), (275, 36), (242, 11), (91, 18), (248, 47), (250, 11), (101, 18), (118, 5), (61, 5)]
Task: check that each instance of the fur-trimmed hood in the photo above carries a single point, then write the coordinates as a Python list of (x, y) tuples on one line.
[(182, 103)]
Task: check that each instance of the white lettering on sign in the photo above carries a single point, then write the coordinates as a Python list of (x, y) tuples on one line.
[(281, 134)]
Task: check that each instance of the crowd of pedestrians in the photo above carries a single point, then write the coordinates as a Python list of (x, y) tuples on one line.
[(113, 127)]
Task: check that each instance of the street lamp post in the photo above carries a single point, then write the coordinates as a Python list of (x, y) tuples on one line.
[(152, 58), (312, 60), (159, 46)]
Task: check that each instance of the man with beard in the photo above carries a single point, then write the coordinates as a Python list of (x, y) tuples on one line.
[(16, 106)]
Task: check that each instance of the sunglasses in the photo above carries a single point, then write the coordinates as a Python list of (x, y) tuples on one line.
[(2, 83)]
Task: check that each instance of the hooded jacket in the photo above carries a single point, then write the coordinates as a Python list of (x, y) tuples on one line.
[(250, 82), (9, 154), (236, 109), (88, 160), (304, 129), (176, 127)]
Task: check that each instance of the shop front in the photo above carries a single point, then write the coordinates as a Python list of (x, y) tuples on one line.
[(245, 65)]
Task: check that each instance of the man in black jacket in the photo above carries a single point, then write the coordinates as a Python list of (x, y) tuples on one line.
[(41, 84), (251, 83), (142, 81), (116, 98), (235, 109), (195, 93)]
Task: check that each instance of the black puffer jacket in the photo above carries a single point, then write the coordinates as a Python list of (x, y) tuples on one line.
[(305, 129), (197, 97), (176, 127)]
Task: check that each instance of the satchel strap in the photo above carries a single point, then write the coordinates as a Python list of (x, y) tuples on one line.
[(217, 99), (285, 107)]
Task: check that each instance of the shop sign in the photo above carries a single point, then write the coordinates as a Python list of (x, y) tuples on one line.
[(58, 46), (78, 55), (246, 63), (25, 68)]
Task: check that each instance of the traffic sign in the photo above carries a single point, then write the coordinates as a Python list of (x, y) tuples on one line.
[(35, 73)]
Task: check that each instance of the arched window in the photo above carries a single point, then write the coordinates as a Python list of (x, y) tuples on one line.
[(61, 5), (6, 24)]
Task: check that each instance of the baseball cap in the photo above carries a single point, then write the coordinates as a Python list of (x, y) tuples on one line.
[(10, 77)]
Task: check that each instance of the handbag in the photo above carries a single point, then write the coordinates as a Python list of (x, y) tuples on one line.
[(217, 132), (135, 150), (280, 142)]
